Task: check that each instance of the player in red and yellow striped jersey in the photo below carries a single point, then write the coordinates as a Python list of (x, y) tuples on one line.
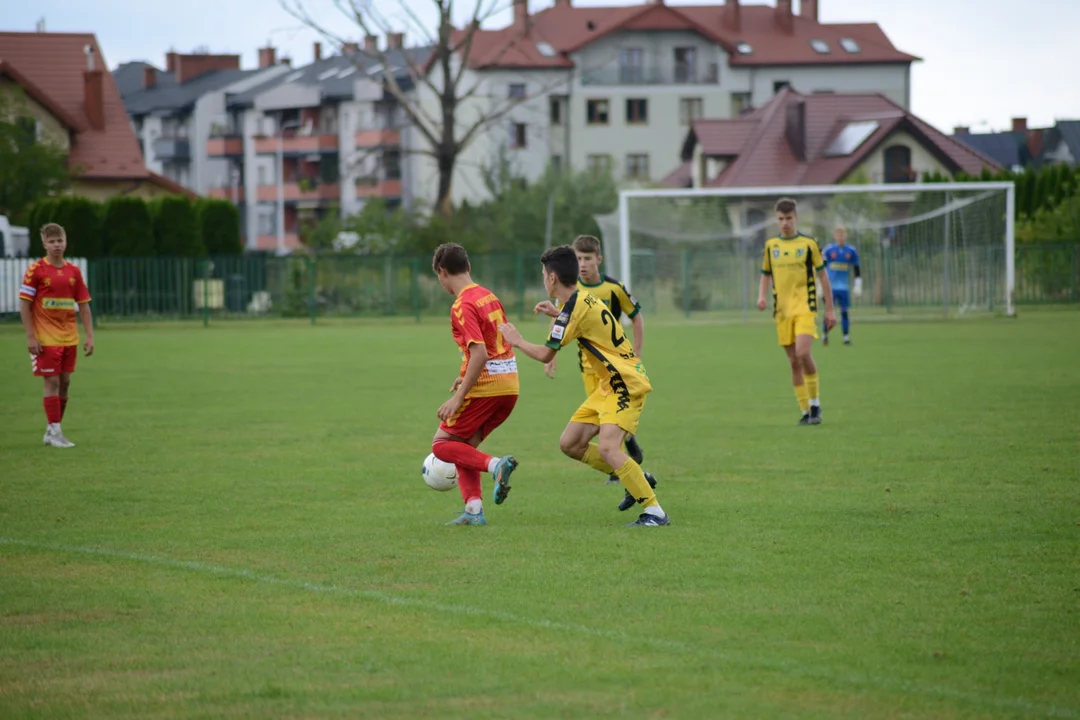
[(485, 390), (53, 291)]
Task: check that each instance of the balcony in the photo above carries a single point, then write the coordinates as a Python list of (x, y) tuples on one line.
[(373, 187), (295, 192), (172, 148), (298, 144), (377, 138), (232, 194), (225, 146), (670, 75), (269, 242)]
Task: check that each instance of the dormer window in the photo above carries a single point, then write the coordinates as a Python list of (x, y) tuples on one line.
[(545, 49), (849, 45), (744, 49), (820, 47)]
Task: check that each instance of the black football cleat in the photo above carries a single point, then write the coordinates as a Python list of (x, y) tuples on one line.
[(804, 420), (613, 480), (815, 415), (634, 450), (628, 500), (650, 520)]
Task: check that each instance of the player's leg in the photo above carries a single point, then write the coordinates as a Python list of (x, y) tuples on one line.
[(843, 303), (618, 418), (48, 365), (592, 382), (802, 396), (457, 441), (804, 343)]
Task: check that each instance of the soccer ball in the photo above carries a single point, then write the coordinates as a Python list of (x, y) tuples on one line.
[(439, 475)]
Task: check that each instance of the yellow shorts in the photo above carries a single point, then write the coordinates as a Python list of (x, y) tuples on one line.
[(604, 409), (788, 328), (592, 383)]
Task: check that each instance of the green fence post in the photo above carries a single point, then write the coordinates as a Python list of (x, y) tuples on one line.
[(312, 309), (206, 294), (687, 290)]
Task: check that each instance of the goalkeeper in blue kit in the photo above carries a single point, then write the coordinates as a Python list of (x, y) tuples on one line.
[(842, 264)]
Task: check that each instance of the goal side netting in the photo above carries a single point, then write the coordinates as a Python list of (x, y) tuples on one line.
[(940, 248)]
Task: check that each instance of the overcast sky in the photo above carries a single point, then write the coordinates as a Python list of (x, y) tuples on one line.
[(984, 61)]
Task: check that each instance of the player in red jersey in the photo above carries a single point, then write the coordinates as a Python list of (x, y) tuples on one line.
[(52, 292), (486, 389)]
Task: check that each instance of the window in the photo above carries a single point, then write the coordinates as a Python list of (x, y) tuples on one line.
[(685, 64), (517, 91), (780, 85), (898, 164), (744, 49), (637, 166), (740, 102), (597, 112), (545, 49), (849, 45), (851, 137), (517, 135), (630, 66), (391, 162), (262, 175), (556, 163), (267, 224), (555, 106), (820, 47), (637, 111), (689, 110), (599, 164)]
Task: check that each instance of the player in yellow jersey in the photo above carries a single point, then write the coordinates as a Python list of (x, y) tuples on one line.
[(613, 410), (791, 263), (619, 301)]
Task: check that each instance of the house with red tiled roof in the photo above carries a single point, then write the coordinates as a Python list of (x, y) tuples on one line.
[(799, 139), (616, 88), (61, 81)]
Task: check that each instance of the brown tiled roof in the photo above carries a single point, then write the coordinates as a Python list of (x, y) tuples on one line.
[(763, 156), (52, 65), (680, 177), (569, 28)]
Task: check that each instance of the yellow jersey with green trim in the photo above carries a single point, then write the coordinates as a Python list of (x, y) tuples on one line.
[(793, 262), (617, 299), (607, 351)]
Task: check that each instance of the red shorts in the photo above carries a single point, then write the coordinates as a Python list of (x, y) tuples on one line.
[(480, 415), (54, 359)]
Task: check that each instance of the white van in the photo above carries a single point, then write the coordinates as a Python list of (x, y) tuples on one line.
[(14, 240)]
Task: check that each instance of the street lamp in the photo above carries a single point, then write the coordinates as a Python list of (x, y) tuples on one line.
[(281, 184)]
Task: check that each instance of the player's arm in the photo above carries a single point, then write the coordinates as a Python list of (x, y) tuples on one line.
[(540, 353), (87, 320), (478, 357), (637, 323), (857, 289), (26, 314), (766, 278)]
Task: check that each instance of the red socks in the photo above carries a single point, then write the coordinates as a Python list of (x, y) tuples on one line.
[(54, 409), (469, 484), (465, 456)]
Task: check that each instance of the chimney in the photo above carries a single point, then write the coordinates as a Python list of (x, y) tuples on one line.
[(795, 132), (371, 43), (961, 130), (521, 15), (149, 76), (395, 40), (809, 10), (267, 56), (170, 61), (1019, 124), (784, 17), (317, 51), (348, 48), (93, 91), (733, 15), (191, 66)]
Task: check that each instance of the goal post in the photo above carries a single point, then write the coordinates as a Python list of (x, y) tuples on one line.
[(942, 247)]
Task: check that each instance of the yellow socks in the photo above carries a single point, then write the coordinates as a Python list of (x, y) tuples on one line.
[(811, 387), (802, 394), (592, 459), (633, 479)]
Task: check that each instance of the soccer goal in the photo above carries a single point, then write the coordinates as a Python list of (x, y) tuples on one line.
[(945, 248)]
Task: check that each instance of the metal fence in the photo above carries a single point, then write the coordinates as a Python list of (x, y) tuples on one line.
[(679, 283)]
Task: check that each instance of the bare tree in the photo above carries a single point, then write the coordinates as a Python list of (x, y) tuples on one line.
[(443, 71)]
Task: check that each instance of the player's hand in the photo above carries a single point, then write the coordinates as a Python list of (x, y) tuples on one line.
[(857, 290), (456, 385), (33, 345), (510, 334), (450, 408), (761, 304), (546, 307), (88, 347), (549, 369), (830, 319)]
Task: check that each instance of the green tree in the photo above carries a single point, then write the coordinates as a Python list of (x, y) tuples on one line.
[(29, 169), (176, 227), (128, 228), (1058, 224), (219, 221), (42, 212), (81, 218)]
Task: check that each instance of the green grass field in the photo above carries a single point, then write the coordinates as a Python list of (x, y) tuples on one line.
[(243, 531)]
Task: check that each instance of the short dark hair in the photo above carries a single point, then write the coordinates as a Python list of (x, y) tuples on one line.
[(562, 261), (51, 230), (785, 205), (587, 244), (452, 258)]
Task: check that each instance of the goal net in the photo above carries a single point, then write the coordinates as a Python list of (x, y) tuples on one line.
[(941, 248)]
